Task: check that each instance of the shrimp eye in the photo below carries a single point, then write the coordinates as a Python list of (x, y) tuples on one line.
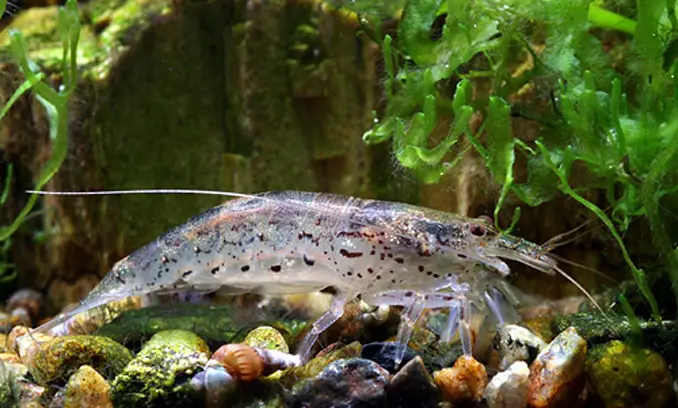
[(478, 230)]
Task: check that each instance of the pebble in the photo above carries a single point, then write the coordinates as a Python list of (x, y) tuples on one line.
[(465, 381), (268, 338), (516, 343), (314, 367), (87, 388), (25, 305), (508, 389), (60, 357), (346, 383), (413, 386), (384, 354), (556, 375), (159, 375), (623, 376)]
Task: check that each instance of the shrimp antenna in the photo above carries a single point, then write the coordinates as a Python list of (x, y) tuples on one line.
[(580, 287), (554, 243), (142, 191), (578, 265)]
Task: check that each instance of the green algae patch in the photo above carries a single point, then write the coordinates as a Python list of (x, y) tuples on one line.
[(215, 324), (160, 374), (623, 376), (57, 359), (593, 327)]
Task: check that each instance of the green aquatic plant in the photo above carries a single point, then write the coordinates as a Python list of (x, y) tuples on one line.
[(617, 120), (55, 102)]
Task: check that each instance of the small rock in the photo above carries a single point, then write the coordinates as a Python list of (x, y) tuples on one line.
[(465, 381), (268, 338), (87, 388), (384, 354), (25, 304), (60, 357), (412, 387), (352, 383), (508, 389), (159, 375), (516, 343), (624, 377), (318, 364), (556, 375)]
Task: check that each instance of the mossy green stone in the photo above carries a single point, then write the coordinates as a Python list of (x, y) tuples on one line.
[(624, 377), (59, 358), (267, 337), (159, 376)]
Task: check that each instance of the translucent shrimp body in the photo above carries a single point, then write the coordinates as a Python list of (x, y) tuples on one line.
[(296, 242)]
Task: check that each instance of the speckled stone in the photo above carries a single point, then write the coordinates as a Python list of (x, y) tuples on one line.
[(351, 383), (556, 375), (87, 388), (465, 381)]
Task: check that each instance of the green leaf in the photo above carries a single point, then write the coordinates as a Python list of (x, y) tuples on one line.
[(414, 31)]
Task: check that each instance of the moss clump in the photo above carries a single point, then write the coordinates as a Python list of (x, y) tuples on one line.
[(626, 377), (159, 376), (593, 327), (57, 359)]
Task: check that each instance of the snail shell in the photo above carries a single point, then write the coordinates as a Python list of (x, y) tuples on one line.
[(240, 360)]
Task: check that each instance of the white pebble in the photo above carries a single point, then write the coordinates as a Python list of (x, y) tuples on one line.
[(508, 389)]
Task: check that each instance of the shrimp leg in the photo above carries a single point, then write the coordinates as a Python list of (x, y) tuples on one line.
[(465, 327), (328, 318)]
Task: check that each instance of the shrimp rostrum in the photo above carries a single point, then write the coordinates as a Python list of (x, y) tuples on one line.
[(296, 242)]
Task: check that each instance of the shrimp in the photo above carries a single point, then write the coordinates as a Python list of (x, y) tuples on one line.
[(386, 253)]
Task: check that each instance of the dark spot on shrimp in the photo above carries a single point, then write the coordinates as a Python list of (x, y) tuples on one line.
[(120, 279), (214, 270), (435, 275), (348, 254), (462, 256), (196, 250), (308, 261), (378, 277), (429, 273), (276, 268), (409, 293), (260, 236), (399, 260), (349, 273), (245, 268), (360, 275), (187, 273), (421, 268), (164, 259), (370, 270)]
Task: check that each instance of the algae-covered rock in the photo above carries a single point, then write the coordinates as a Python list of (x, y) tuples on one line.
[(593, 327), (87, 388), (60, 357), (623, 376), (213, 323), (268, 338), (316, 365), (159, 376)]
